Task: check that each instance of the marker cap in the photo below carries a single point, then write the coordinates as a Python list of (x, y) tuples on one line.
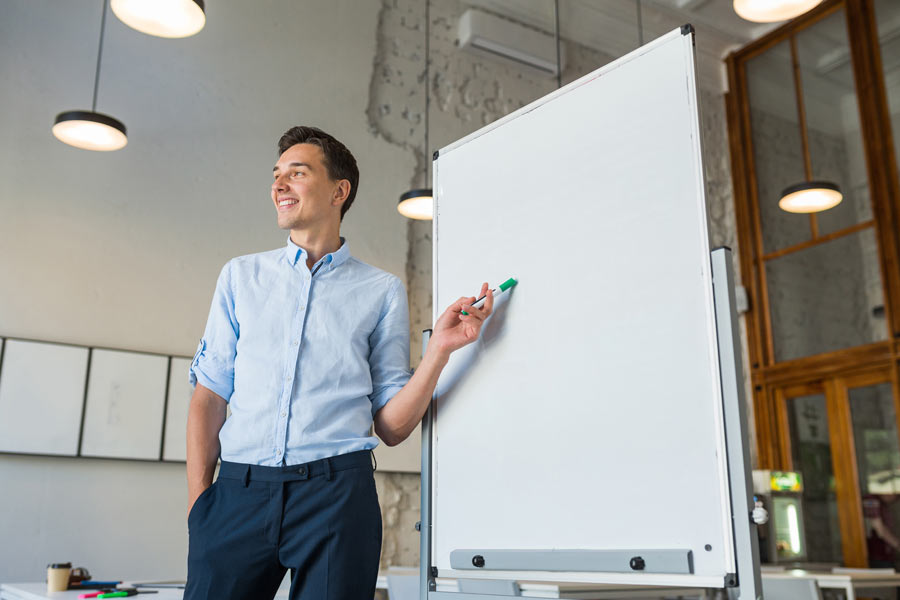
[(508, 284)]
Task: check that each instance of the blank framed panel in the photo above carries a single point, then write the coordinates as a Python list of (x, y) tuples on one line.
[(41, 397), (124, 407), (177, 402)]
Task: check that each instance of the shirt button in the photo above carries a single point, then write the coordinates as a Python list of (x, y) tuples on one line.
[(283, 414), (296, 343), (278, 451), (302, 307), (290, 377)]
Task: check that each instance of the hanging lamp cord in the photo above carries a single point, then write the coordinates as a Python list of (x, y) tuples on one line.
[(427, 86), (558, 48), (640, 24), (99, 56)]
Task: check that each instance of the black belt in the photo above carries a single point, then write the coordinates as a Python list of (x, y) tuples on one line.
[(323, 466)]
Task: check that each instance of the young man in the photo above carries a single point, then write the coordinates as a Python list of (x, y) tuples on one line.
[(310, 347)]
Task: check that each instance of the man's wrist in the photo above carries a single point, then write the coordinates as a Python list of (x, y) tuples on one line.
[(436, 355)]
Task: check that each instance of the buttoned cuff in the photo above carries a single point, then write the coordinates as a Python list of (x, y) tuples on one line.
[(209, 373)]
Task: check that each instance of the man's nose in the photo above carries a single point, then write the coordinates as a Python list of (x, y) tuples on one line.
[(280, 184)]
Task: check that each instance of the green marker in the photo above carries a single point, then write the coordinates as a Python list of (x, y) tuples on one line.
[(509, 283)]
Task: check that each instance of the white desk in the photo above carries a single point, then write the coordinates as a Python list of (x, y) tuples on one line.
[(38, 591), (849, 582)]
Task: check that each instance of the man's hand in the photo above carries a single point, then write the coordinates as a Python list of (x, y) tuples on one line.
[(453, 329)]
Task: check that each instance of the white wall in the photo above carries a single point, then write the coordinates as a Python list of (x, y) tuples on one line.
[(122, 249)]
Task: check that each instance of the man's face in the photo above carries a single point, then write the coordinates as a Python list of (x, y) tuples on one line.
[(304, 194)]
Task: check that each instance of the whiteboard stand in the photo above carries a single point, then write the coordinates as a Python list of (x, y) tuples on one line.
[(745, 584), (748, 583)]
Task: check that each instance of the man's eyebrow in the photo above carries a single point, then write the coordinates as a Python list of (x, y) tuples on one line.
[(294, 164)]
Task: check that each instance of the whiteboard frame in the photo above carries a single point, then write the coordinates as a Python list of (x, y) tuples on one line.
[(733, 418)]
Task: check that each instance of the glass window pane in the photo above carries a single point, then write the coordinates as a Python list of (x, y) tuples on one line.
[(811, 453), (826, 297), (777, 146), (878, 463), (832, 120), (887, 16)]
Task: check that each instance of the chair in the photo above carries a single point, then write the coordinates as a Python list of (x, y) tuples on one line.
[(489, 586), (790, 589), (403, 587)]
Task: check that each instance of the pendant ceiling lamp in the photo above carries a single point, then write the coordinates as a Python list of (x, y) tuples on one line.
[(88, 129), (419, 203), (770, 11), (809, 196), (162, 18)]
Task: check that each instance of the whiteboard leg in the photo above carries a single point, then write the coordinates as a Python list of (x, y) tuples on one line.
[(426, 572), (746, 540)]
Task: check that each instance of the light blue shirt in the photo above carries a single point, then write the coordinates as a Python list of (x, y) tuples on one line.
[(304, 358)]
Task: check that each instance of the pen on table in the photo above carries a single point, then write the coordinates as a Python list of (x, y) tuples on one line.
[(95, 594), (125, 593), (511, 282)]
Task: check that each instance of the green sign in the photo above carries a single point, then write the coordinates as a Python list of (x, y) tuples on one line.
[(786, 481)]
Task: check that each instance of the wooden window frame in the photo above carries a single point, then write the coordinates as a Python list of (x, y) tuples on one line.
[(834, 373), (885, 196)]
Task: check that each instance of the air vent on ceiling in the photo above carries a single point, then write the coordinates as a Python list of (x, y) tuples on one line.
[(488, 35)]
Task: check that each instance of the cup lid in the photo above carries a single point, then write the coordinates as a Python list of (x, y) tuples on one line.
[(66, 565)]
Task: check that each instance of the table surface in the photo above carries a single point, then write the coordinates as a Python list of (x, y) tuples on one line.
[(826, 579), (858, 579)]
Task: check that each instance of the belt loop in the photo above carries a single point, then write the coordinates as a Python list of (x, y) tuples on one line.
[(327, 469), (246, 478), (374, 461)]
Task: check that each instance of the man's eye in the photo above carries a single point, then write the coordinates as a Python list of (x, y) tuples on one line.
[(298, 173)]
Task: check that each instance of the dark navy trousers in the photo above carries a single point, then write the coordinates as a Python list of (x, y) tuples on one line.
[(321, 520)]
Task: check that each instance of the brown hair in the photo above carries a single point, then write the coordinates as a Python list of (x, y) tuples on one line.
[(338, 159)]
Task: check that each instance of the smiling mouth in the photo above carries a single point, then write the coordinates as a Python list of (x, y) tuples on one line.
[(287, 203)]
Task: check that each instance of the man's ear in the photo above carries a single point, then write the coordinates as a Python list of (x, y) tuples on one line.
[(341, 193)]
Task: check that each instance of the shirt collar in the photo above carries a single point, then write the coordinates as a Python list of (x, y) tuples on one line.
[(329, 261)]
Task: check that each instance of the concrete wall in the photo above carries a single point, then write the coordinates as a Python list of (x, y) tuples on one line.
[(122, 249)]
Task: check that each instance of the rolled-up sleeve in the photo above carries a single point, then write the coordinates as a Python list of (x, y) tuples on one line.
[(213, 364), (389, 348)]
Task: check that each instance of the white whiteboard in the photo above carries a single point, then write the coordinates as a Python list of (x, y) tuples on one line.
[(178, 399), (41, 397), (589, 414), (124, 406)]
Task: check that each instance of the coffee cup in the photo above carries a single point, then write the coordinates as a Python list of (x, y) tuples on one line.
[(58, 576)]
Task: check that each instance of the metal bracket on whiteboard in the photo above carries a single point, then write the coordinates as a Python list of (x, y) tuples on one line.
[(747, 579), (427, 573), (584, 561)]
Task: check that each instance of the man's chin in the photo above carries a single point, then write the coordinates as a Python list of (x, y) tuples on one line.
[(288, 225)]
